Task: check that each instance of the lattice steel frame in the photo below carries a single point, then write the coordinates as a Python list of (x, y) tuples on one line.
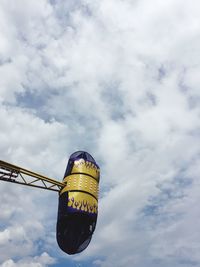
[(14, 174)]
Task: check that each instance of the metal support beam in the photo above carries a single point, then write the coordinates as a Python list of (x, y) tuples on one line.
[(14, 174)]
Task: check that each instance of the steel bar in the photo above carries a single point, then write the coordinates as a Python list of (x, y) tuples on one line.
[(14, 174)]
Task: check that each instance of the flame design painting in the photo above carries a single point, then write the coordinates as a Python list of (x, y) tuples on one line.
[(82, 202)]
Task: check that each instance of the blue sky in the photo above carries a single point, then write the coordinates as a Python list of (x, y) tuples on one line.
[(119, 79)]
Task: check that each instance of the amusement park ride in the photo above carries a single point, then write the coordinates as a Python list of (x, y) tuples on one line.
[(78, 197)]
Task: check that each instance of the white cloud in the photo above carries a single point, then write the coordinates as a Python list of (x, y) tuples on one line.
[(120, 79), (39, 261)]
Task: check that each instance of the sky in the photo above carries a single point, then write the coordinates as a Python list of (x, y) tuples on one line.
[(119, 79)]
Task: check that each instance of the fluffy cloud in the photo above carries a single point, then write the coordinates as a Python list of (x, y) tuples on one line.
[(119, 79), (39, 261)]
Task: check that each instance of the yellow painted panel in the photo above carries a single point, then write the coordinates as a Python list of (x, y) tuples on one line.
[(81, 182), (86, 167)]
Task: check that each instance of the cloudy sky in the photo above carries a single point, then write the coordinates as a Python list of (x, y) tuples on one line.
[(121, 80)]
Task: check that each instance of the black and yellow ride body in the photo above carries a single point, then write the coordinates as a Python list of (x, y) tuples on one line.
[(78, 203)]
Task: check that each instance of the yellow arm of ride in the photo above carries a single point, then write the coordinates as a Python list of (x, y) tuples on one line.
[(14, 174)]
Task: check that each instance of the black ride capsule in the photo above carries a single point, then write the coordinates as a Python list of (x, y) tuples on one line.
[(78, 203)]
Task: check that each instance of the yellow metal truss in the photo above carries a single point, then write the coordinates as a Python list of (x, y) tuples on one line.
[(14, 174)]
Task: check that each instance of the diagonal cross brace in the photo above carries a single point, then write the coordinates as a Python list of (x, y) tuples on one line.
[(14, 174)]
